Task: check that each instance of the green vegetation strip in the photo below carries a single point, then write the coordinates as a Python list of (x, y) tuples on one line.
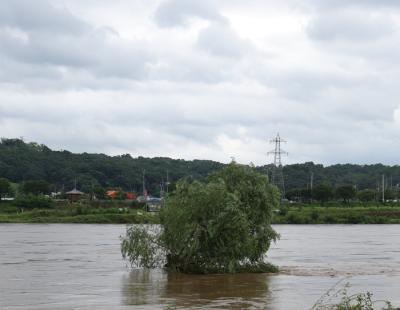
[(293, 214), (76, 214), (338, 214)]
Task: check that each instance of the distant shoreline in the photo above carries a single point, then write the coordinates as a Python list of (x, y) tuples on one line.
[(298, 214)]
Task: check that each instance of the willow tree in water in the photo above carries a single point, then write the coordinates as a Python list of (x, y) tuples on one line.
[(222, 225)]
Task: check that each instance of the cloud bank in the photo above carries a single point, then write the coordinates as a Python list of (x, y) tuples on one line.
[(204, 79)]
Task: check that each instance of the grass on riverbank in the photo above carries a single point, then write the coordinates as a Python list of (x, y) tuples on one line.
[(289, 214), (338, 214), (76, 214)]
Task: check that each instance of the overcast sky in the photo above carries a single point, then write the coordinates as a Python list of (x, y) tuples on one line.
[(205, 79)]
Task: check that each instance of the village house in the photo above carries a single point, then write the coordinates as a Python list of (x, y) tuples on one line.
[(74, 195)]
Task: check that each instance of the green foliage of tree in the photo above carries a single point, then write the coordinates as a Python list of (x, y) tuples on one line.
[(142, 248), (390, 194), (367, 195), (305, 194), (99, 192), (293, 194), (5, 188), (36, 187), (220, 225), (322, 193), (120, 194), (346, 192), (299, 195), (33, 201), (314, 215)]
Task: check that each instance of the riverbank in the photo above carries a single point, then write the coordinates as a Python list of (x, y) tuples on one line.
[(77, 214), (292, 214), (336, 213)]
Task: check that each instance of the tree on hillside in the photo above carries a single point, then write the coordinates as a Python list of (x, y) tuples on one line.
[(322, 193), (305, 194), (5, 188), (99, 192), (367, 195), (294, 194), (37, 187), (222, 225), (390, 194), (346, 192)]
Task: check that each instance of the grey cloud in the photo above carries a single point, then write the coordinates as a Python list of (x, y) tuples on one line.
[(61, 42), (178, 12), (78, 55), (183, 123), (359, 3), (323, 6), (367, 34), (39, 15), (350, 25), (221, 40), (308, 83), (76, 86), (44, 49), (194, 68)]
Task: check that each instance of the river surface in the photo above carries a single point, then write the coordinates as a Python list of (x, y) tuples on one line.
[(73, 266)]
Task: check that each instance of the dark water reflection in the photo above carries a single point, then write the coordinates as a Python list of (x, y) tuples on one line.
[(240, 291), (67, 266)]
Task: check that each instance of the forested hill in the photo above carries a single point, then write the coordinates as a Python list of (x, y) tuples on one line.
[(20, 161), (361, 176)]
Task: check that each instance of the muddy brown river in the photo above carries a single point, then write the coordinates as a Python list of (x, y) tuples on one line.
[(73, 266)]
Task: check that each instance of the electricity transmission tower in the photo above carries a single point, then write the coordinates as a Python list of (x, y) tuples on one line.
[(277, 169)]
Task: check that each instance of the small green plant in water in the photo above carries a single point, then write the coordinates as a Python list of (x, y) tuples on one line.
[(358, 301)]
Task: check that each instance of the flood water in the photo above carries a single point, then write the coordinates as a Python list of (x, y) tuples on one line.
[(73, 266)]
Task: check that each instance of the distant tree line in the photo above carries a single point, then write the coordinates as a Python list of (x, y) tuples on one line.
[(359, 176), (22, 163), (345, 193), (53, 171)]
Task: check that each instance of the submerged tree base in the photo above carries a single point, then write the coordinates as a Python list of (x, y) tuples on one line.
[(245, 268), (259, 268)]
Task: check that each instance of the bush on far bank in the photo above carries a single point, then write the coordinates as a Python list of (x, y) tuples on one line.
[(32, 201)]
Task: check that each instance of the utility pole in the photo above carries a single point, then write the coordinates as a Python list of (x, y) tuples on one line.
[(312, 180), (91, 190), (167, 183), (383, 188), (162, 188), (144, 183), (311, 184), (277, 169)]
